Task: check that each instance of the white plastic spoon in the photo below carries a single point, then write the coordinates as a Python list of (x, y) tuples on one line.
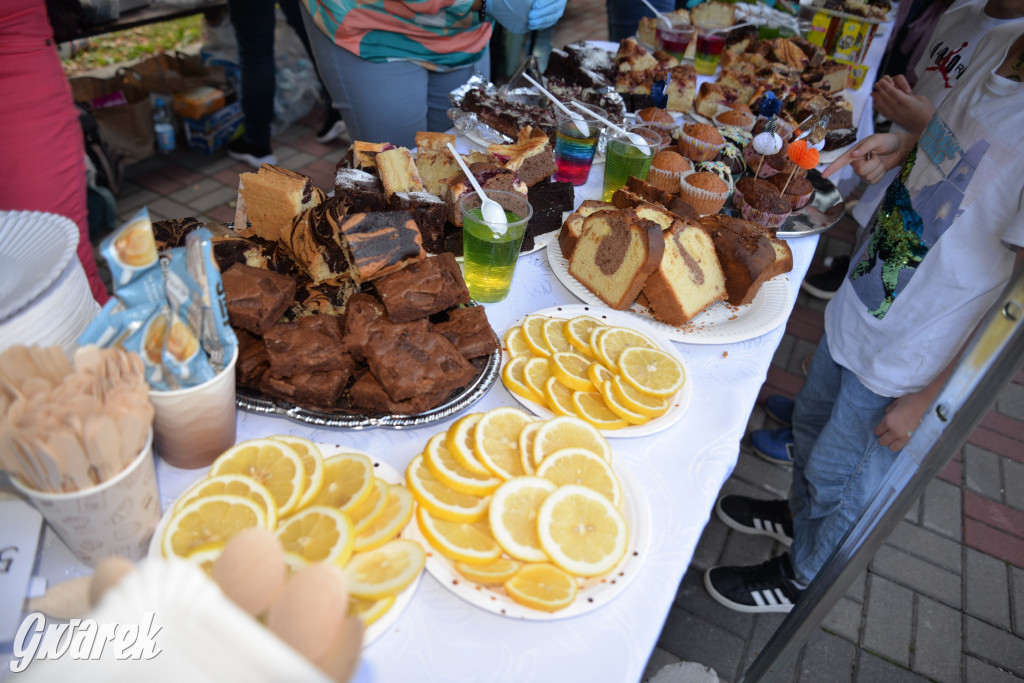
[(577, 120), (489, 209), (661, 17), (637, 140)]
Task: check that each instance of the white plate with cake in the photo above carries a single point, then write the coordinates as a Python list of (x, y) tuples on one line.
[(593, 593), (677, 404)]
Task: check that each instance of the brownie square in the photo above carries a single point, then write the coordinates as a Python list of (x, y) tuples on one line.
[(316, 389), (424, 288), (469, 331), (361, 191), (310, 344), (256, 299), (367, 393), (408, 363)]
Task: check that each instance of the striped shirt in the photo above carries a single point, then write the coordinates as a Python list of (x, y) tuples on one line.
[(440, 35)]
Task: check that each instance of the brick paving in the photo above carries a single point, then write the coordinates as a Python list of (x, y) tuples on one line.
[(942, 600)]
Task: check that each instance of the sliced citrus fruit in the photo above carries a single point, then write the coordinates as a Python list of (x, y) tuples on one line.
[(542, 586), (513, 517), (272, 463), (571, 370), (469, 542), (515, 343), (319, 534), (491, 574), (578, 330), (364, 514), (459, 441), (441, 501), (348, 481), (590, 406), (205, 555), (312, 465), (295, 562), (619, 408), (559, 397), (651, 371), (443, 465), (234, 485), (526, 446), (535, 374), (386, 571), (397, 512), (582, 531), (513, 377), (496, 440), (627, 395), (554, 336), (208, 520), (599, 374), (611, 342), (533, 334), (579, 466), (369, 611), (567, 432)]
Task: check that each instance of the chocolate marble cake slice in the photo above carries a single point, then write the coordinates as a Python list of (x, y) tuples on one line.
[(312, 238), (380, 242)]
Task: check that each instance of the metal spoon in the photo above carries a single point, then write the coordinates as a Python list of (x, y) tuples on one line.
[(491, 210), (576, 118)]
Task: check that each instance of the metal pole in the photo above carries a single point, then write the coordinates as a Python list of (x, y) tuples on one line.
[(994, 356)]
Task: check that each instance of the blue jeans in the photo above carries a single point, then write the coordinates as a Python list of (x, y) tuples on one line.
[(837, 460), (390, 101)]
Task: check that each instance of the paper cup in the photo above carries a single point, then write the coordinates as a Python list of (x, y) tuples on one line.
[(117, 517), (195, 425)]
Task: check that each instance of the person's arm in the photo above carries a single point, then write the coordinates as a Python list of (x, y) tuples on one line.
[(895, 100), (905, 413), (874, 155)]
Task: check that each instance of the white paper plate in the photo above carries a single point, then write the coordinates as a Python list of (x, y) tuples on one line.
[(720, 323), (35, 247), (680, 402), (381, 470), (593, 593)]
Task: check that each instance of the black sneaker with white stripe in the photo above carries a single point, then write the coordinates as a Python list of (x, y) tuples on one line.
[(758, 517), (766, 587)]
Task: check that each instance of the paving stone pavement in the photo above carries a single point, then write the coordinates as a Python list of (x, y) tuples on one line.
[(943, 600)]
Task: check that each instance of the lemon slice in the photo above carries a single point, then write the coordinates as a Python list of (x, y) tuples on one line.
[(312, 465), (364, 514), (578, 330), (295, 562), (233, 485), (441, 501), (582, 531), (443, 465), (272, 463), (526, 446), (348, 481), (567, 432), (609, 344), (397, 513), (513, 376), (369, 611), (535, 375), (493, 574), (651, 371), (459, 441), (559, 397), (496, 441), (318, 534), (579, 466), (515, 343), (628, 396), (571, 370), (386, 571), (210, 519), (598, 374), (616, 406), (590, 406), (469, 542), (543, 587), (533, 334), (554, 336), (513, 517), (206, 555)]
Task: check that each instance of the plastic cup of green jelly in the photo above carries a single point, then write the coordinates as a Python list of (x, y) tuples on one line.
[(489, 252), (624, 158)]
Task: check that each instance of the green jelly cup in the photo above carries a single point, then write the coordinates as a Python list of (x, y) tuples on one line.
[(489, 254), (624, 158)]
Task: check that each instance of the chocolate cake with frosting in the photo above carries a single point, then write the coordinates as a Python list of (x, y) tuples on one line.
[(423, 288), (256, 298), (489, 178), (380, 242)]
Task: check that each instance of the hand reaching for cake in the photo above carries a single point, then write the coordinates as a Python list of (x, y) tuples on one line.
[(874, 155)]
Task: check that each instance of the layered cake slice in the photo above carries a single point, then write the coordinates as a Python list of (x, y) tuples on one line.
[(269, 199), (531, 157), (363, 155), (689, 277), (398, 172), (573, 225), (489, 178), (615, 253), (380, 242), (681, 88)]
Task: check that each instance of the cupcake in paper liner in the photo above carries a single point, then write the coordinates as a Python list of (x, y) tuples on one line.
[(719, 169), (700, 141), (704, 191), (736, 118), (762, 204), (653, 117), (667, 169), (798, 191)]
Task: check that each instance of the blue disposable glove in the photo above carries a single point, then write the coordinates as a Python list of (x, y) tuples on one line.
[(545, 13), (512, 14)]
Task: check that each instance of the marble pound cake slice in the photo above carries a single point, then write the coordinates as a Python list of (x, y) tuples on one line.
[(380, 242), (573, 225), (615, 253), (689, 277)]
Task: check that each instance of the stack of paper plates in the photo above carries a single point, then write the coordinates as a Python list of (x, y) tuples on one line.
[(44, 294)]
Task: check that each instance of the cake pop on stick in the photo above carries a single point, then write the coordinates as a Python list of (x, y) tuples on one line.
[(767, 141), (801, 154)]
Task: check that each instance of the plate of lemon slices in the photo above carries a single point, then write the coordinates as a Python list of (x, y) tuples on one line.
[(325, 503), (601, 365), (528, 519)]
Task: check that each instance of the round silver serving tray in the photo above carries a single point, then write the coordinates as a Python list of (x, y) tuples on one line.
[(826, 208)]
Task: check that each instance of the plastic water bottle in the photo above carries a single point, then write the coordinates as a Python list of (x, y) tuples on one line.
[(163, 126)]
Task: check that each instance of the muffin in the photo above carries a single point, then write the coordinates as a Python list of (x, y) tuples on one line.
[(798, 191), (733, 158), (667, 169), (700, 141), (704, 191), (718, 168), (732, 117), (761, 203), (663, 136), (655, 118)]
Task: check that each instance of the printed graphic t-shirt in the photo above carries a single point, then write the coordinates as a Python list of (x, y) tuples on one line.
[(938, 253)]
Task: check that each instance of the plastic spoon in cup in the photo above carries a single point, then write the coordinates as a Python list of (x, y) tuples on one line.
[(489, 209), (577, 119), (637, 140), (661, 17)]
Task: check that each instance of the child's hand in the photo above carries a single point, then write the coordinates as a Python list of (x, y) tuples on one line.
[(902, 417), (870, 158)]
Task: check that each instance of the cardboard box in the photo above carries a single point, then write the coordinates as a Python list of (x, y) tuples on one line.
[(199, 102), (210, 133)]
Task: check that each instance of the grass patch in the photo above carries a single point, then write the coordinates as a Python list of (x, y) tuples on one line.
[(125, 46)]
